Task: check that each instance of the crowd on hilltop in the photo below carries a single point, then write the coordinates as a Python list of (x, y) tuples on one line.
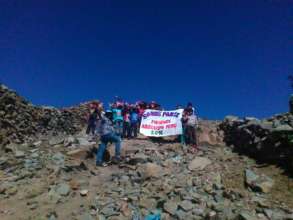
[(122, 120), (126, 117)]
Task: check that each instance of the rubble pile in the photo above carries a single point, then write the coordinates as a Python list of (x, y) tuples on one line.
[(20, 121), (269, 140)]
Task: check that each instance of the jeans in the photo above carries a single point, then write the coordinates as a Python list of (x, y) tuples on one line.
[(133, 129), (91, 128), (119, 127), (102, 147), (191, 135), (126, 130)]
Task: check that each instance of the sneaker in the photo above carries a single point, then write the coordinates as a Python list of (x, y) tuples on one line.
[(101, 164), (116, 160)]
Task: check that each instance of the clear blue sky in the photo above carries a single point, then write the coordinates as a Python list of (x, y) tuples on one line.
[(227, 57)]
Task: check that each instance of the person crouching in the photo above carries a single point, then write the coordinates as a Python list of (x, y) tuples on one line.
[(107, 134)]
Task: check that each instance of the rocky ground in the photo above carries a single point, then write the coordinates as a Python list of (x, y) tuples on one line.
[(47, 169), (57, 179)]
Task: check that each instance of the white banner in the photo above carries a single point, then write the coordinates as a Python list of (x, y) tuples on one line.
[(161, 123)]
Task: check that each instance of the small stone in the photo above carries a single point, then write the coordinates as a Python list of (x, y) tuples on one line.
[(148, 203), (56, 141), (63, 189), (84, 192), (33, 205), (11, 191), (54, 197), (212, 215), (199, 163), (2, 189), (171, 207), (3, 160), (269, 213), (245, 215), (35, 155), (108, 211), (83, 141), (19, 154), (37, 143), (74, 185), (150, 170), (86, 216), (58, 159), (101, 217), (78, 153), (186, 205), (181, 215)]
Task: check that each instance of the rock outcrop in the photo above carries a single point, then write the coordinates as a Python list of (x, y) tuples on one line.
[(209, 133), (268, 140)]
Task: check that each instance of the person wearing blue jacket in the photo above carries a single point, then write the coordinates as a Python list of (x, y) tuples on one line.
[(134, 119)]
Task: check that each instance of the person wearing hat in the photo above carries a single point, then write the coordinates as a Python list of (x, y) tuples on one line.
[(190, 108), (107, 134), (190, 126)]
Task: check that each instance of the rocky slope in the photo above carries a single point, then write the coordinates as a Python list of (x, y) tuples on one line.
[(20, 121), (47, 170), (268, 141), (59, 180)]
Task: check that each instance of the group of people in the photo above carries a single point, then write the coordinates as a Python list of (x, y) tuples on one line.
[(122, 120), (126, 117)]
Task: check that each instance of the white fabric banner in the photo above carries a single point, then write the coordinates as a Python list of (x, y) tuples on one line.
[(156, 123)]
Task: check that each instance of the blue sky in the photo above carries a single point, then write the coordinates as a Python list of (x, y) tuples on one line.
[(227, 57)]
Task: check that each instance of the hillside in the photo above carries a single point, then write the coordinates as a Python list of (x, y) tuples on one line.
[(47, 169)]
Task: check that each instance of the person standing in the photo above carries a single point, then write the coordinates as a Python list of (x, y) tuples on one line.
[(92, 121), (107, 134), (126, 122), (118, 118), (134, 119), (191, 127)]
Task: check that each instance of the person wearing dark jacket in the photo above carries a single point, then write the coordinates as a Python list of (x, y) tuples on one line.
[(92, 122)]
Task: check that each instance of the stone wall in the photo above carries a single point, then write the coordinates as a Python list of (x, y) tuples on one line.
[(21, 121), (268, 140)]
